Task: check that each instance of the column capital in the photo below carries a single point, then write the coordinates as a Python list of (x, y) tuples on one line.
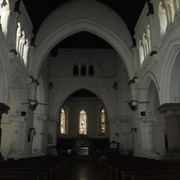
[(170, 109)]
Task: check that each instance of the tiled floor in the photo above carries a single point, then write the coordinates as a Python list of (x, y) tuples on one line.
[(84, 169)]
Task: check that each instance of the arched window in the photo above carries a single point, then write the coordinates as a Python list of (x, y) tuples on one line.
[(103, 120), (21, 45), (162, 18), (141, 52), (18, 36), (145, 45), (63, 121), (83, 122), (148, 35), (83, 70), (91, 70), (75, 70), (171, 9)]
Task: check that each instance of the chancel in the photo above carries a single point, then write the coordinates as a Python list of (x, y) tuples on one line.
[(89, 81)]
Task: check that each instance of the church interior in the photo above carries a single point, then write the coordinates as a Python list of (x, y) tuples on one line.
[(90, 81)]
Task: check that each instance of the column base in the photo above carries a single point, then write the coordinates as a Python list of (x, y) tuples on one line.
[(151, 154), (15, 154), (172, 156)]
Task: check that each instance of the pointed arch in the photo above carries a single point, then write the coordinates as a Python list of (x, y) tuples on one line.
[(17, 93), (171, 56), (57, 104), (149, 92), (113, 30)]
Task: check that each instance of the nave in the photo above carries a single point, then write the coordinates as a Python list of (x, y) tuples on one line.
[(110, 166), (84, 169)]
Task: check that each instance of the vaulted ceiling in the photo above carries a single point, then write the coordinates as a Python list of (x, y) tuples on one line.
[(129, 10)]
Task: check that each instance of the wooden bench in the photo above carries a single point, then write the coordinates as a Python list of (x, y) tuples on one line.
[(138, 169), (42, 168)]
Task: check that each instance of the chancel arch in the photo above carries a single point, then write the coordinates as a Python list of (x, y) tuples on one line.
[(87, 103), (84, 22), (102, 95), (84, 114)]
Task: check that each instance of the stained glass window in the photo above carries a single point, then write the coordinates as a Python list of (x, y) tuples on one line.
[(103, 126), (63, 121), (82, 122)]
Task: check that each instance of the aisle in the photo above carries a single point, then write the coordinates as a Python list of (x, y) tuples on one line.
[(84, 169)]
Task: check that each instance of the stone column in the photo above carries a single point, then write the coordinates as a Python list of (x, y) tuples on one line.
[(3, 109), (172, 116), (148, 139)]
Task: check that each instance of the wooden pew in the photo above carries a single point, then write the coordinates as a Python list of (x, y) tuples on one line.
[(29, 172), (41, 168), (126, 168)]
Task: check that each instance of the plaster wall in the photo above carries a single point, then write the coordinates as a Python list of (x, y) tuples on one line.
[(104, 61)]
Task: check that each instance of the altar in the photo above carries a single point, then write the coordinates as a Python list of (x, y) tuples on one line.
[(83, 151), (82, 145)]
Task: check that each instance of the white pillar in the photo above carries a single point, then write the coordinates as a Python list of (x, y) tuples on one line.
[(39, 140), (147, 135)]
